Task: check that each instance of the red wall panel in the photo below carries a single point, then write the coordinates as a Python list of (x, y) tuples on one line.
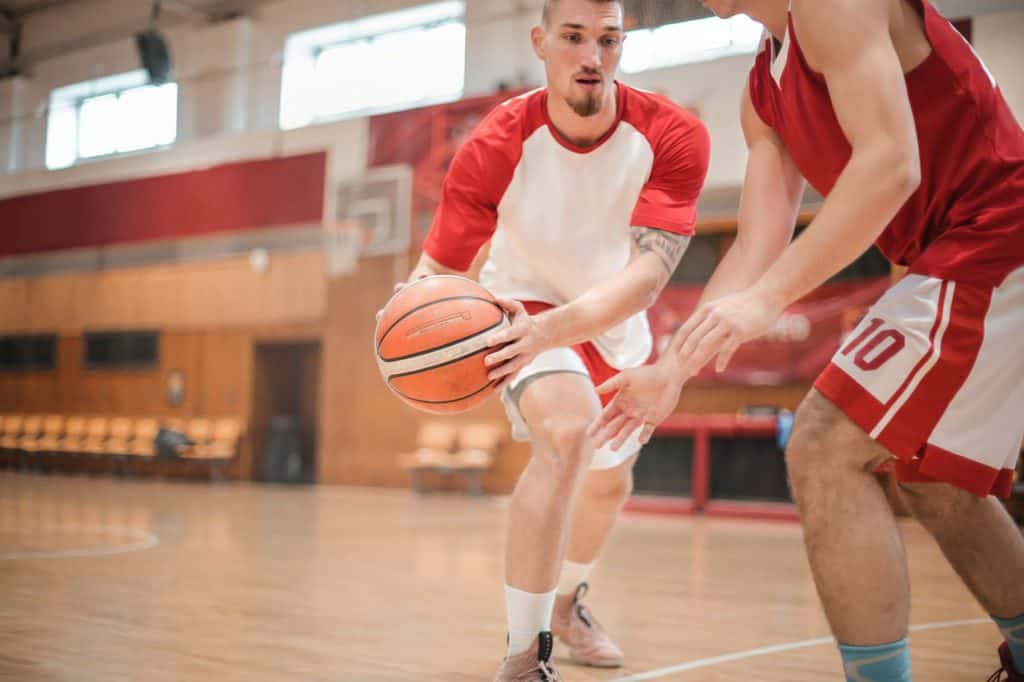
[(231, 197)]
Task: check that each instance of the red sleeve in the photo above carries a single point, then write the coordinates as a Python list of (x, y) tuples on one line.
[(476, 181), (669, 199)]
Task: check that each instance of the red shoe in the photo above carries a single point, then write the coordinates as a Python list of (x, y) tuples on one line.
[(1007, 668)]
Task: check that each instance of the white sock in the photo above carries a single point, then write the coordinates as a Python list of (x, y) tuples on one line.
[(572, 575), (529, 613)]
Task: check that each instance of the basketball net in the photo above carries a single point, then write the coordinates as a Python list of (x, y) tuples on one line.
[(343, 243)]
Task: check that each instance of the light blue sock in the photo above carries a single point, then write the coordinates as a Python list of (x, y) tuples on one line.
[(882, 663), (1013, 633)]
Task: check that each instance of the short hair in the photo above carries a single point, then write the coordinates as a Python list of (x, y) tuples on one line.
[(549, 5)]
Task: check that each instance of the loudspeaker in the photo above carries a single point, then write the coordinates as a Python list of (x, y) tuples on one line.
[(154, 56)]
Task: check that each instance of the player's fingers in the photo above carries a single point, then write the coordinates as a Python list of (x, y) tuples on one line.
[(502, 354), (394, 290), (646, 432), (699, 352), (504, 381), (507, 335), (610, 430), (512, 307), (707, 326), (631, 410), (607, 414), (505, 368), (692, 322), (612, 385), (725, 355), (710, 344), (625, 432)]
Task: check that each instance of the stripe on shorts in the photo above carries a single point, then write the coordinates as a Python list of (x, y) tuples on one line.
[(925, 364)]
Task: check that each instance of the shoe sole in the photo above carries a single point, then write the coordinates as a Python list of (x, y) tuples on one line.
[(578, 660), (611, 663)]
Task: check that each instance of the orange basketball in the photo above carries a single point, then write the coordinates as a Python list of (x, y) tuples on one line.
[(432, 340)]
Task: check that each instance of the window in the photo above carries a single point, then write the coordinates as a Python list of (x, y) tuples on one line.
[(379, 63), (108, 116), (685, 42), (36, 353), (122, 350)]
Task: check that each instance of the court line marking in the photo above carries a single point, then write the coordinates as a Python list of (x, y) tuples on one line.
[(775, 649), (143, 541)]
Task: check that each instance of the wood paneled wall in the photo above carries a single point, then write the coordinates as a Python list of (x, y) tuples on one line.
[(211, 316), (207, 294), (215, 364), (706, 398), (218, 373)]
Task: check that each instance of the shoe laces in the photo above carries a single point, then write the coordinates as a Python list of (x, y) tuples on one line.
[(547, 672), (997, 676), (581, 591), (1006, 668), (582, 611), (544, 669)]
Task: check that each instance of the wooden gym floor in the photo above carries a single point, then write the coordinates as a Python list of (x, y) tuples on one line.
[(105, 580)]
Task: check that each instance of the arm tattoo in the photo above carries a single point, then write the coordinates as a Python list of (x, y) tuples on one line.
[(667, 246)]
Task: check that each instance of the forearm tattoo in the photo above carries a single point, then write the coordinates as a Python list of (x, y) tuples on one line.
[(667, 246)]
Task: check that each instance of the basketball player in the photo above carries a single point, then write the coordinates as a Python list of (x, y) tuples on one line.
[(885, 109), (587, 191)]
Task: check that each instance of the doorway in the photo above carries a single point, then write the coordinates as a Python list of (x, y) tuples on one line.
[(286, 389)]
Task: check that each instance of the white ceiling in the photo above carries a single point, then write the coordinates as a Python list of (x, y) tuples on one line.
[(60, 24)]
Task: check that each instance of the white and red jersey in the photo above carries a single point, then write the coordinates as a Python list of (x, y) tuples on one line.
[(559, 215)]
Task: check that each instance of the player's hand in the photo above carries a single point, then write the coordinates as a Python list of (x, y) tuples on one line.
[(520, 343), (398, 287), (644, 397), (719, 327)]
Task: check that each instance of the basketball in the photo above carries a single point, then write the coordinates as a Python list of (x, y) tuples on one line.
[(431, 342)]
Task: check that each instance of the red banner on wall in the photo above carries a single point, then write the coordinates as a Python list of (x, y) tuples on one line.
[(427, 139), (280, 192), (798, 347)]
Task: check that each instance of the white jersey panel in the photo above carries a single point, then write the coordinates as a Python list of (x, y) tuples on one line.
[(564, 226)]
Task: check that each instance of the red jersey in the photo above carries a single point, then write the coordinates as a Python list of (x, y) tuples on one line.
[(966, 220)]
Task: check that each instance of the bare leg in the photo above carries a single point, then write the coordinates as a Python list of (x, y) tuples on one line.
[(593, 517), (557, 408), (597, 508), (978, 538), (853, 545)]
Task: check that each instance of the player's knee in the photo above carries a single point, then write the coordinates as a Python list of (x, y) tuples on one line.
[(567, 438), (933, 501), (811, 440), (823, 443)]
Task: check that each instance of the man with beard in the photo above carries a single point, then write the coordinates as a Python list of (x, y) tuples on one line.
[(587, 190), (887, 111)]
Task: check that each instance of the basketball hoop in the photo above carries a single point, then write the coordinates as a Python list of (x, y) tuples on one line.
[(343, 243)]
